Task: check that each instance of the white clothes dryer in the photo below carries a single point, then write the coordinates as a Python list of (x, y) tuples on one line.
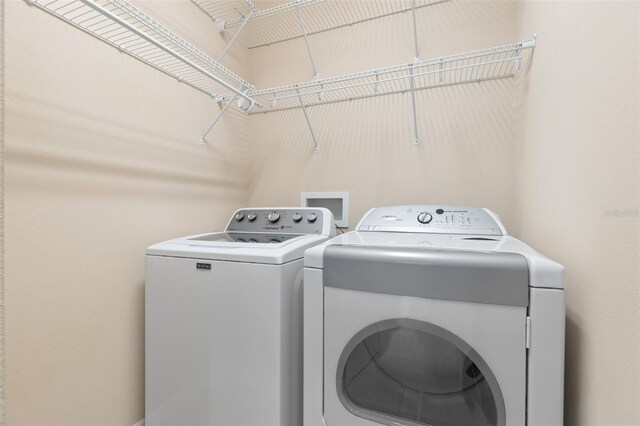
[(432, 315), (223, 313)]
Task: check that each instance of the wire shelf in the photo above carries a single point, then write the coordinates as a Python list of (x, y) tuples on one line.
[(125, 27), (497, 62), (281, 23)]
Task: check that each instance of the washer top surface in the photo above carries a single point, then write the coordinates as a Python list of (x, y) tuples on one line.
[(466, 229), (256, 235)]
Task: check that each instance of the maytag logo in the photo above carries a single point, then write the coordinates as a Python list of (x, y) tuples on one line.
[(203, 266)]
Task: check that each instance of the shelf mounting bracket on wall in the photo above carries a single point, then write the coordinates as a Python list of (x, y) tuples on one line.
[(416, 59), (306, 117), (246, 20), (218, 117), (306, 40)]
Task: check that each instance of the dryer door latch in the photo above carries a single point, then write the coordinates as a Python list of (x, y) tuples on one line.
[(527, 334)]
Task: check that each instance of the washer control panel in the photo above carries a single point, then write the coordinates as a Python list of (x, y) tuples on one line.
[(301, 220), (434, 219)]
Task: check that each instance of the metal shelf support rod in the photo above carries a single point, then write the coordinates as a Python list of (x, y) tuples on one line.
[(416, 140), (416, 51), (235, 36), (161, 46), (251, 5), (306, 40), (306, 117), (220, 114)]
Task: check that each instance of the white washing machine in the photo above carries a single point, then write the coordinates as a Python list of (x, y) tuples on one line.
[(223, 342), (432, 315)]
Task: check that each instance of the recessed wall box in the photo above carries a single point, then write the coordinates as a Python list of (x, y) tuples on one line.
[(337, 202)]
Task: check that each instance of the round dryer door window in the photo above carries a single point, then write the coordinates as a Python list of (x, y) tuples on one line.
[(403, 371)]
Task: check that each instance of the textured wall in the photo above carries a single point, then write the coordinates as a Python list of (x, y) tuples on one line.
[(556, 153), (2, 345), (102, 159), (579, 192), (466, 131)]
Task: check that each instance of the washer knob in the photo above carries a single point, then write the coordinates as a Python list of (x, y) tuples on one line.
[(273, 217), (311, 217), (424, 217), (251, 217), (297, 217), (239, 216)]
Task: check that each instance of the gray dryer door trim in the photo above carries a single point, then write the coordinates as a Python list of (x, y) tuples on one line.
[(468, 276), (427, 328)]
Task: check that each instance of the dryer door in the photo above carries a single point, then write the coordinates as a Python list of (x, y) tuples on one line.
[(400, 360), (416, 372), (424, 337)]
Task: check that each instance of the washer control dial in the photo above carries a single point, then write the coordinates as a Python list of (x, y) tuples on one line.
[(239, 217), (251, 217), (297, 217), (425, 217), (311, 217), (273, 217)]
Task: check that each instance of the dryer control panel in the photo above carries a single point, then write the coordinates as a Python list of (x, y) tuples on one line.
[(433, 219), (300, 220)]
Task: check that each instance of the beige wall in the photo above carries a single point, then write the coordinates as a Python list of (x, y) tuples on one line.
[(578, 163), (102, 159), (555, 152), (366, 146), (2, 344)]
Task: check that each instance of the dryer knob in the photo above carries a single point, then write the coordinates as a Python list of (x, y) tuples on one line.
[(273, 217), (424, 217), (311, 217), (239, 217), (251, 217), (297, 217)]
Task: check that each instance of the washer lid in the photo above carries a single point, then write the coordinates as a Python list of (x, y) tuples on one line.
[(243, 237), (469, 276), (217, 246)]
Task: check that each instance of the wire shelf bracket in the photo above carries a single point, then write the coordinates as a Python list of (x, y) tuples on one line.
[(316, 148), (235, 36), (123, 26), (416, 138), (306, 40), (218, 117)]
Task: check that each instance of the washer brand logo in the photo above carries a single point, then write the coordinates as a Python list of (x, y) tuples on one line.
[(203, 266)]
